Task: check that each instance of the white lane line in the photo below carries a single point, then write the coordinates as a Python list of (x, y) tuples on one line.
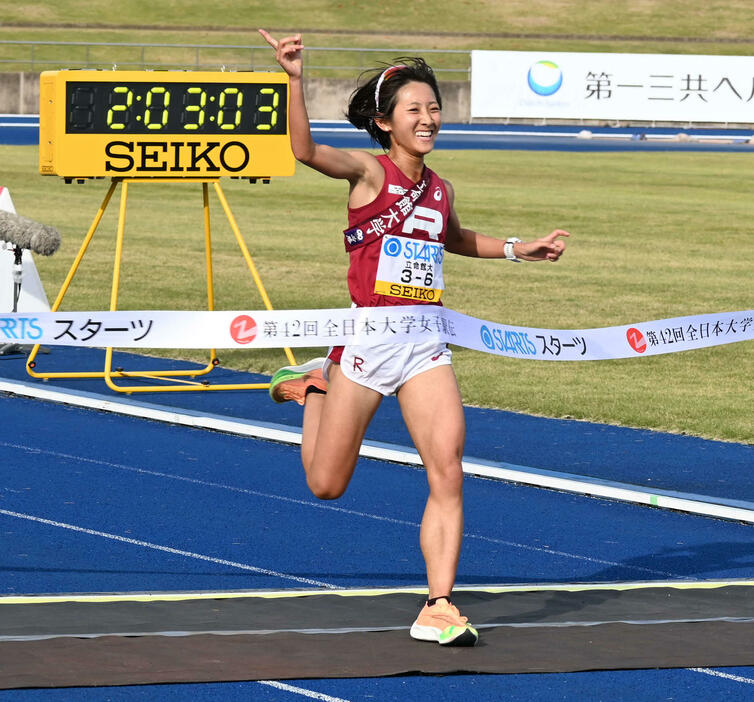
[(566, 554), (503, 132), (720, 674), (333, 508), (301, 691), (15, 638), (721, 508), (166, 549)]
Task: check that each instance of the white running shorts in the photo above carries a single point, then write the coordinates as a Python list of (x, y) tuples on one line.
[(387, 367)]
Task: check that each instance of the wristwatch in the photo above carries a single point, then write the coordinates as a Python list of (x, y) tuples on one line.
[(508, 249)]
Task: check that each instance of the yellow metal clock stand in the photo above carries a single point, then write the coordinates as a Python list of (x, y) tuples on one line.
[(181, 380)]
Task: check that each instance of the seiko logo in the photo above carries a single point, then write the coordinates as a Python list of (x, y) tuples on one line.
[(175, 156)]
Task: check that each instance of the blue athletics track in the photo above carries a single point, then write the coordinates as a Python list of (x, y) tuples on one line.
[(24, 130), (163, 492), (102, 492)]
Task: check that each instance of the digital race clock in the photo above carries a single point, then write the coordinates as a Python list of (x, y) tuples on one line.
[(164, 124)]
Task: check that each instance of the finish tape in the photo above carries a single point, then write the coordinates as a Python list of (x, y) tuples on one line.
[(371, 326)]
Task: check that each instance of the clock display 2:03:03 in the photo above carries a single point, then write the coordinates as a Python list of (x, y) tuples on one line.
[(175, 108)]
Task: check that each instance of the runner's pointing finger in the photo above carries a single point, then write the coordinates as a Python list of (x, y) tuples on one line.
[(269, 38)]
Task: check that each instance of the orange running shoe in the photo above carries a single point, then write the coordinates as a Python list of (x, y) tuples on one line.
[(443, 623), (291, 382)]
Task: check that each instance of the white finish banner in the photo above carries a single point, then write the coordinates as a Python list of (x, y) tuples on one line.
[(371, 326), (645, 87)]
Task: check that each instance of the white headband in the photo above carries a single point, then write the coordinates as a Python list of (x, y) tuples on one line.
[(385, 74)]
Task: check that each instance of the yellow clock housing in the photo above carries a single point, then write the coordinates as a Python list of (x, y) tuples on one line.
[(176, 124)]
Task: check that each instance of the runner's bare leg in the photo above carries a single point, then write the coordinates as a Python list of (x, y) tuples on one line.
[(433, 412), (333, 429)]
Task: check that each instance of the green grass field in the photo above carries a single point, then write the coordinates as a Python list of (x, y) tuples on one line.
[(707, 21), (654, 236), (646, 26)]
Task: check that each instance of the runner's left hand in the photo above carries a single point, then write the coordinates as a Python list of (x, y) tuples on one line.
[(546, 248)]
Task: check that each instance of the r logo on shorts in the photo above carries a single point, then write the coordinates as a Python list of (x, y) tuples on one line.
[(386, 367)]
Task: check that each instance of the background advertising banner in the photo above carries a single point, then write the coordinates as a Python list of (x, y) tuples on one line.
[(643, 87)]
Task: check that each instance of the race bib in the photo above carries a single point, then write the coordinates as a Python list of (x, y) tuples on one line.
[(410, 268)]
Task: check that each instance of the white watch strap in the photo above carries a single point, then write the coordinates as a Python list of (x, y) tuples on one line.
[(508, 248)]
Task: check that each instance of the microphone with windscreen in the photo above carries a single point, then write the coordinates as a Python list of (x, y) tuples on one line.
[(22, 233), (25, 233)]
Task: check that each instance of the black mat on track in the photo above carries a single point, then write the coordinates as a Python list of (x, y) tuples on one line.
[(255, 636)]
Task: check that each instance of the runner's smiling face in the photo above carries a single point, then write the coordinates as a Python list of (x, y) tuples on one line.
[(415, 119)]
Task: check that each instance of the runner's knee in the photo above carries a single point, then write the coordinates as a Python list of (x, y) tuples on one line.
[(329, 479), (445, 479), (327, 489)]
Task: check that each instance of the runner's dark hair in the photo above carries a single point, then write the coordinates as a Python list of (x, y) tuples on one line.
[(361, 106)]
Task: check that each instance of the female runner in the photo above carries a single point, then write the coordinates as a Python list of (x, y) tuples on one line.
[(394, 196)]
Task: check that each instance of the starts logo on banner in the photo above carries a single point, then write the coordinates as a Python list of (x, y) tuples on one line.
[(243, 329), (513, 342), (20, 329)]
